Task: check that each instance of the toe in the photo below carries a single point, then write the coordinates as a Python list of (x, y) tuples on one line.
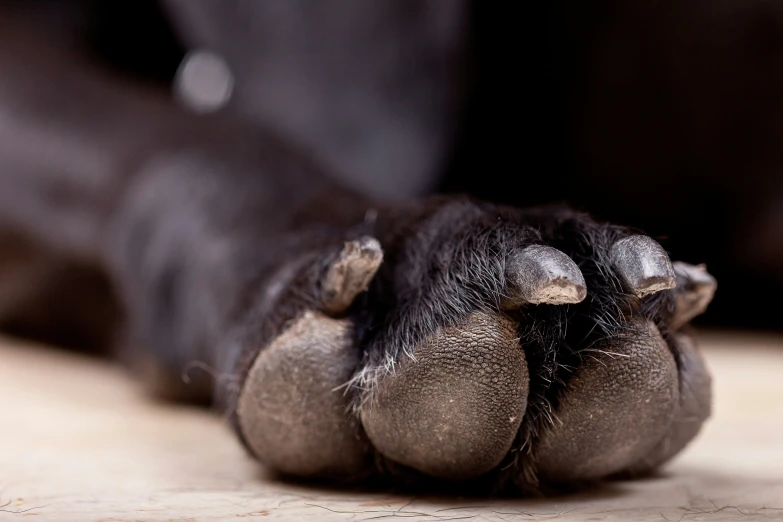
[(613, 411), (453, 409), (693, 408), (292, 414)]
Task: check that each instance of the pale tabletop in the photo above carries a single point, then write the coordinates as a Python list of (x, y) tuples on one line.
[(79, 441)]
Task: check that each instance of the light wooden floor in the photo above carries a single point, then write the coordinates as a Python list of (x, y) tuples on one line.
[(79, 442)]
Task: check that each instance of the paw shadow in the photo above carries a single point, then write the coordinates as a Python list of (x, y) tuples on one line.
[(439, 492)]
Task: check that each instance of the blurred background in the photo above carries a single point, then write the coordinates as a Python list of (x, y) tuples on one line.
[(667, 116)]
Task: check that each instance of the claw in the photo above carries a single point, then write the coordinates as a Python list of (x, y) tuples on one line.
[(643, 265), (541, 274), (350, 273), (696, 288)]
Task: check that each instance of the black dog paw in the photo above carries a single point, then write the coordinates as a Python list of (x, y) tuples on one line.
[(532, 348)]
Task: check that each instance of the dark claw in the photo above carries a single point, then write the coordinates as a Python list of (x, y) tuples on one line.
[(541, 274), (643, 265), (696, 288)]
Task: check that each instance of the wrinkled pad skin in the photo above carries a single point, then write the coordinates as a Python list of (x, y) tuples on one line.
[(613, 412), (692, 409), (454, 411), (292, 418)]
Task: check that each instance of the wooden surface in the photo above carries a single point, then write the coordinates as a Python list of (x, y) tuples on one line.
[(80, 442)]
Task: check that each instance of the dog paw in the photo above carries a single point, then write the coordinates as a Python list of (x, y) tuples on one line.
[(534, 348)]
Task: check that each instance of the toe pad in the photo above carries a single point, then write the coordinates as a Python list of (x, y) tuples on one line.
[(291, 415), (454, 410)]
